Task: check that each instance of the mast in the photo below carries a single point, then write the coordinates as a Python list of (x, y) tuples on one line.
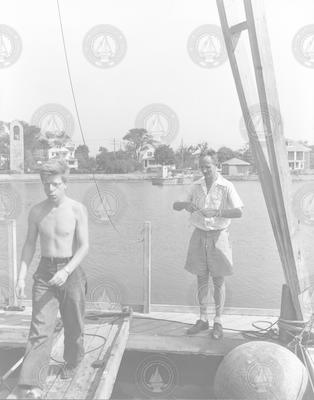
[(248, 46)]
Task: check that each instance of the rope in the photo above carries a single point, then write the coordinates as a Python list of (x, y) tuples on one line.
[(81, 129)]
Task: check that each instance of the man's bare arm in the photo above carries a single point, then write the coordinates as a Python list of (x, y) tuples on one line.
[(27, 251), (29, 245), (82, 241)]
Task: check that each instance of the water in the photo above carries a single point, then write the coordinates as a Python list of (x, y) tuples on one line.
[(115, 261)]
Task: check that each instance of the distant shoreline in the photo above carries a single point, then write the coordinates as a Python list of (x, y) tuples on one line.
[(129, 177)]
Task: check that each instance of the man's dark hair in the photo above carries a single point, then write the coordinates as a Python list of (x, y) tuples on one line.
[(55, 167), (209, 153)]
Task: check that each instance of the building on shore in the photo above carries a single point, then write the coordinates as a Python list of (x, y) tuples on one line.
[(298, 156), (235, 167), (65, 152), (147, 158)]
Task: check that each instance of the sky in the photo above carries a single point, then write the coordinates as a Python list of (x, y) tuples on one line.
[(156, 69)]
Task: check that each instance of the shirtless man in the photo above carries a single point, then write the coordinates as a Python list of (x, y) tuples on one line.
[(59, 282)]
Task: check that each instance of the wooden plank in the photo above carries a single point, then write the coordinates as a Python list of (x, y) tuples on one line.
[(59, 387), (85, 375), (198, 345), (172, 308), (109, 375)]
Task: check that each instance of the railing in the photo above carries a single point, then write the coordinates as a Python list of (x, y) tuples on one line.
[(9, 226)]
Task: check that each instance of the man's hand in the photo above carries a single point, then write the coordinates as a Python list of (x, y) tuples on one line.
[(209, 212), (59, 278), (20, 289), (184, 205)]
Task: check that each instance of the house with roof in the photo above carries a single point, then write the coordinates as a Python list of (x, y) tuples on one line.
[(235, 167), (65, 152), (298, 156)]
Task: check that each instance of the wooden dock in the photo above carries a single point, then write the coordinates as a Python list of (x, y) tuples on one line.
[(106, 335)]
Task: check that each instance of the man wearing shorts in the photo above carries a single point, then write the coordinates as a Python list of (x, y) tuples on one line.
[(59, 281), (212, 203)]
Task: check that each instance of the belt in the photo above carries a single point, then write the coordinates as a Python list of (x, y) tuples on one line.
[(56, 260)]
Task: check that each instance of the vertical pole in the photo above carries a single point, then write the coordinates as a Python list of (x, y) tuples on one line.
[(12, 261), (147, 265)]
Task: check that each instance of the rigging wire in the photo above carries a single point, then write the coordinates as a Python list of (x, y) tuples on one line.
[(81, 128)]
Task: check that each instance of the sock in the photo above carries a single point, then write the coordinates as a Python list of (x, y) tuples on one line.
[(218, 320)]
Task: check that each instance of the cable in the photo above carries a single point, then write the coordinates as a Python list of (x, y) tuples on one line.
[(89, 351), (80, 126)]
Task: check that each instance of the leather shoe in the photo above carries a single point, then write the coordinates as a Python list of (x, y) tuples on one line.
[(198, 327), (217, 332)]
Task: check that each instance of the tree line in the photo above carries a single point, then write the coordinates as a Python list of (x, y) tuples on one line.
[(121, 161)]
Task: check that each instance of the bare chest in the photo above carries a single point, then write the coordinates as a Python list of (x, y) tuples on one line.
[(57, 224)]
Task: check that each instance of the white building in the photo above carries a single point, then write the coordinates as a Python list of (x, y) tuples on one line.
[(65, 152), (147, 157), (298, 156)]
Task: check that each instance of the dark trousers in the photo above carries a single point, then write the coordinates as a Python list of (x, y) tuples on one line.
[(46, 301)]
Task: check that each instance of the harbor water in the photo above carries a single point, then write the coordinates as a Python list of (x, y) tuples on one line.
[(115, 260)]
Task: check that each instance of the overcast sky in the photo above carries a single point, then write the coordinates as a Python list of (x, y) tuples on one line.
[(156, 68)]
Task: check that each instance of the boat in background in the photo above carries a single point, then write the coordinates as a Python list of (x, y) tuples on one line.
[(167, 176)]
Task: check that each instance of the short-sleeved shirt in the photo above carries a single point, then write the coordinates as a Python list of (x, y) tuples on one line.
[(222, 195)]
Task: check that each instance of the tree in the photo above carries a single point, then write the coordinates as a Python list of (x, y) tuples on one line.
[(225, 154), (138, 140), (115, 162), (35, 146), (164, 155), (184, 157), (82, 155), (4, 146)]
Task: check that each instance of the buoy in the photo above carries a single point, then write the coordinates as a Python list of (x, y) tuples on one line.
[(261, 370)]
